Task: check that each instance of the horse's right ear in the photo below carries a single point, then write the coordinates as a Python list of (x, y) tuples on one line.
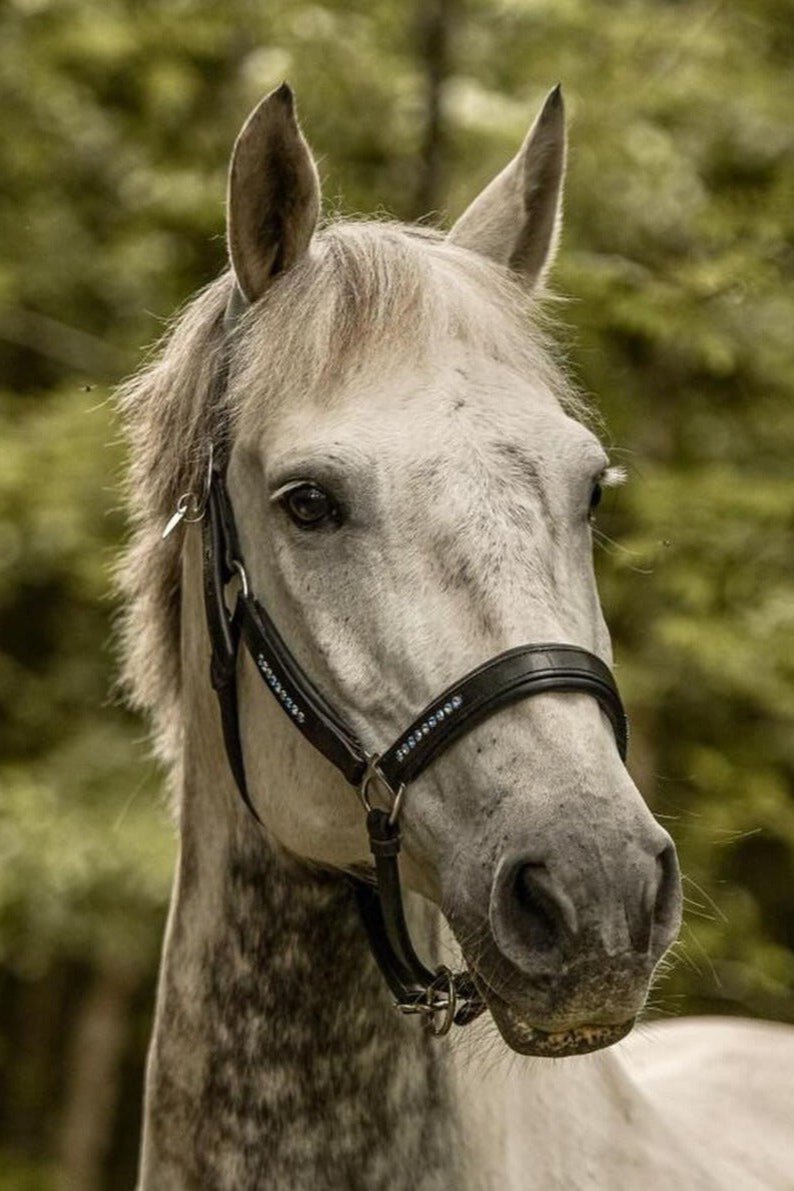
[(274, 194), (516, 219)]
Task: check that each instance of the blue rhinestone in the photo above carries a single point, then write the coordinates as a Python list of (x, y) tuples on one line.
[(456, 702), (432, 721), (271, 680), (411, 742)]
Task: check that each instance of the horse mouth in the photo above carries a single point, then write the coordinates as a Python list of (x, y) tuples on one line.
[(527, 1039)]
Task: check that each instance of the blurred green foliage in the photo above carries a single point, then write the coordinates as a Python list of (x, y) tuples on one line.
[(677, 261)]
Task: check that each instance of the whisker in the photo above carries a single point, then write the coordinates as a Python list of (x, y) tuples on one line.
[(605, 541), (704, 893)]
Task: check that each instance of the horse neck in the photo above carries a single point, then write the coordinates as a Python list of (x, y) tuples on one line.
[(276, 1058)]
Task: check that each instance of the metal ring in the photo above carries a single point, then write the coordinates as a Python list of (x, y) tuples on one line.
[(240, 569), (396, 806), (373, 773), (208, 473), (447, 1006), (435, 1001), (192, 507)]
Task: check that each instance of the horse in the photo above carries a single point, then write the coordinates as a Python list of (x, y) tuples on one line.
[(412, 479)]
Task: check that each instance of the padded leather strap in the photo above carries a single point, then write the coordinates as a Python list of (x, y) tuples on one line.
[(513, 675), (224, 633), (296, 693), (382, 911), (516, 674)]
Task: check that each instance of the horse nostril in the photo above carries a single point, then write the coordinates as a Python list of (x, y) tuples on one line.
[(539, 910), (653, 916), (666, 907)]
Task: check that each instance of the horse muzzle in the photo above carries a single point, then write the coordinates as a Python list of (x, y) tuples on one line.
[(566, 953)]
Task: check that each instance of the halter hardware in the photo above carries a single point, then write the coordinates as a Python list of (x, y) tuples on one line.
[(441, 997), (373, 775), (191, 508)]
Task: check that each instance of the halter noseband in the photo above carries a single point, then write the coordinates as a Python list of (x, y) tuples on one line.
[(441, 996)]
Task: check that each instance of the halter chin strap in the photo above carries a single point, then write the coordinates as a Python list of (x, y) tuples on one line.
[(441, 996)]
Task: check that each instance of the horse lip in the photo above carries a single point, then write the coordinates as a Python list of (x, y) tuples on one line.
[(527, 1039), (579, 1040)]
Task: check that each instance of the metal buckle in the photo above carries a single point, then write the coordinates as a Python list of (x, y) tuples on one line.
[(374, 774), (439, 997)]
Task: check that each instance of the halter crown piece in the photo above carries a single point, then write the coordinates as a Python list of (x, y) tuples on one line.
[(442, 997)]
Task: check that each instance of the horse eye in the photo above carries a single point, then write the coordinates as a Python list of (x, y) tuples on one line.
[(309, 506), (595, 498)]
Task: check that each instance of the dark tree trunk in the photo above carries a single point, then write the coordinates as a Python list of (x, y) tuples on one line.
[(435, 20), (93, 1074)]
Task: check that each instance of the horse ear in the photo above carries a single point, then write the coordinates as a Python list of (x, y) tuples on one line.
[(274, 194), (516, 219)]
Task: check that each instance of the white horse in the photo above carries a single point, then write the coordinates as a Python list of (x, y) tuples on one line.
[(413, 485)]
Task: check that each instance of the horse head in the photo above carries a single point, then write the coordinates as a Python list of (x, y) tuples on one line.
[(414, 483)]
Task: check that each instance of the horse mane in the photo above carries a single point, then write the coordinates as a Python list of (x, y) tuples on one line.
[(366, 293)]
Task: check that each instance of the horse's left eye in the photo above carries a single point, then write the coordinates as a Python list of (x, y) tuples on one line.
[(595, 498), (309, 506)]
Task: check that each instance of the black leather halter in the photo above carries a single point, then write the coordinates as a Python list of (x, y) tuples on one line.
[(441, 996)]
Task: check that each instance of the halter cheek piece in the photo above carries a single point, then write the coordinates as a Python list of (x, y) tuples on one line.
[(441, 996)]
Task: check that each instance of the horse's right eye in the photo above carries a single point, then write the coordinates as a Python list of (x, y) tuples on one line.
[(309, 506)]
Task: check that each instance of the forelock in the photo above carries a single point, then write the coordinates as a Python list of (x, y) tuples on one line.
[(372, 294)]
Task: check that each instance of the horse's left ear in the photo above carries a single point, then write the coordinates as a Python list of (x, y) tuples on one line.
[(516, 219), (274, 194)]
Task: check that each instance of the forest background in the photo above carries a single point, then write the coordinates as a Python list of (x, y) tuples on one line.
[(677, 268)]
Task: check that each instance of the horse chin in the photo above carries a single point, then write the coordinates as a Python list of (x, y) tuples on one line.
[(522, 1036)]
